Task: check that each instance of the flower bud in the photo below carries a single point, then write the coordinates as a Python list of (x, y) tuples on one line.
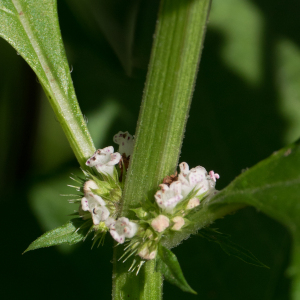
[(160, 223), (89, 186), (147, 251), (193, 203), (89, 195), (179, 222)]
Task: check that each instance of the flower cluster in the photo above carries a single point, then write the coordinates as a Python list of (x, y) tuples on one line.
[(94, 203), (176, 197), (196, 181), (101, 197)]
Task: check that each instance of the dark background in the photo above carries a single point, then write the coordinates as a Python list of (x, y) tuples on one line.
[(246, 105)]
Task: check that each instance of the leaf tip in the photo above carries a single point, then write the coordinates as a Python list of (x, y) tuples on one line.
[(27, 249)]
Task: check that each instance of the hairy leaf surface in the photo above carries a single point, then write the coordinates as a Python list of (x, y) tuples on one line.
[(64, 234), (273, 187), (168, 265), (32, 28)]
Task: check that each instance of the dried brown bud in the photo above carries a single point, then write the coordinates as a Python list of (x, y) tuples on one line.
[(169, 179)]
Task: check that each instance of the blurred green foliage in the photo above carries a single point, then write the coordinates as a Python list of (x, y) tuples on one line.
[(244, 108)]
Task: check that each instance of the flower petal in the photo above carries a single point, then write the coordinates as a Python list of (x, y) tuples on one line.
[(84, 204), (125, 142), (115, 235), (184, 168), (114, 159), (105, 169)]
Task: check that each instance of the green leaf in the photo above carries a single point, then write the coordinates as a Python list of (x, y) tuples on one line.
[(272, 186), (67, 233), (168, 265), (32, 28), (229, 247)]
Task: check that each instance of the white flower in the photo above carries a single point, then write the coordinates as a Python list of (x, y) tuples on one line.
[(99, 212), (104, 160), (195, 178), (168, 197), (160, 223), (94, 203), (109, 221), (122, 228), (179, 222), (125, 142)]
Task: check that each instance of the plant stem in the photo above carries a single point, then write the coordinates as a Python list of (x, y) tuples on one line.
[(170, 82)]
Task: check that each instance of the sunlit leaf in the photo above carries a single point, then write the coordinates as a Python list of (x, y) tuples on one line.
[(32, 28)]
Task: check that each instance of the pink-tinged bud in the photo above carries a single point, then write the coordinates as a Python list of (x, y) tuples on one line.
[(193, 203), (146, 254), (160, 223), (179, 222), (88, 185)]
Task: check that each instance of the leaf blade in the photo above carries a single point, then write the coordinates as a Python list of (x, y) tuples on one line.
[(168, 265), (32, 28), (272, 186), (67, 233)]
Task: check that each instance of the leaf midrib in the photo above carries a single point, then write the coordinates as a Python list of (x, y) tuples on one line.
[(61, 101)]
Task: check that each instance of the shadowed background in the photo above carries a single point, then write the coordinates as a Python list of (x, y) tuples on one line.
[(246, 105)]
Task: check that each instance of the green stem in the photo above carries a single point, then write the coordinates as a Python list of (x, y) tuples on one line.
[(170, 82)]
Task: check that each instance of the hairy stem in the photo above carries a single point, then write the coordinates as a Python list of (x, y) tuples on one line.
[(170, 82)]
